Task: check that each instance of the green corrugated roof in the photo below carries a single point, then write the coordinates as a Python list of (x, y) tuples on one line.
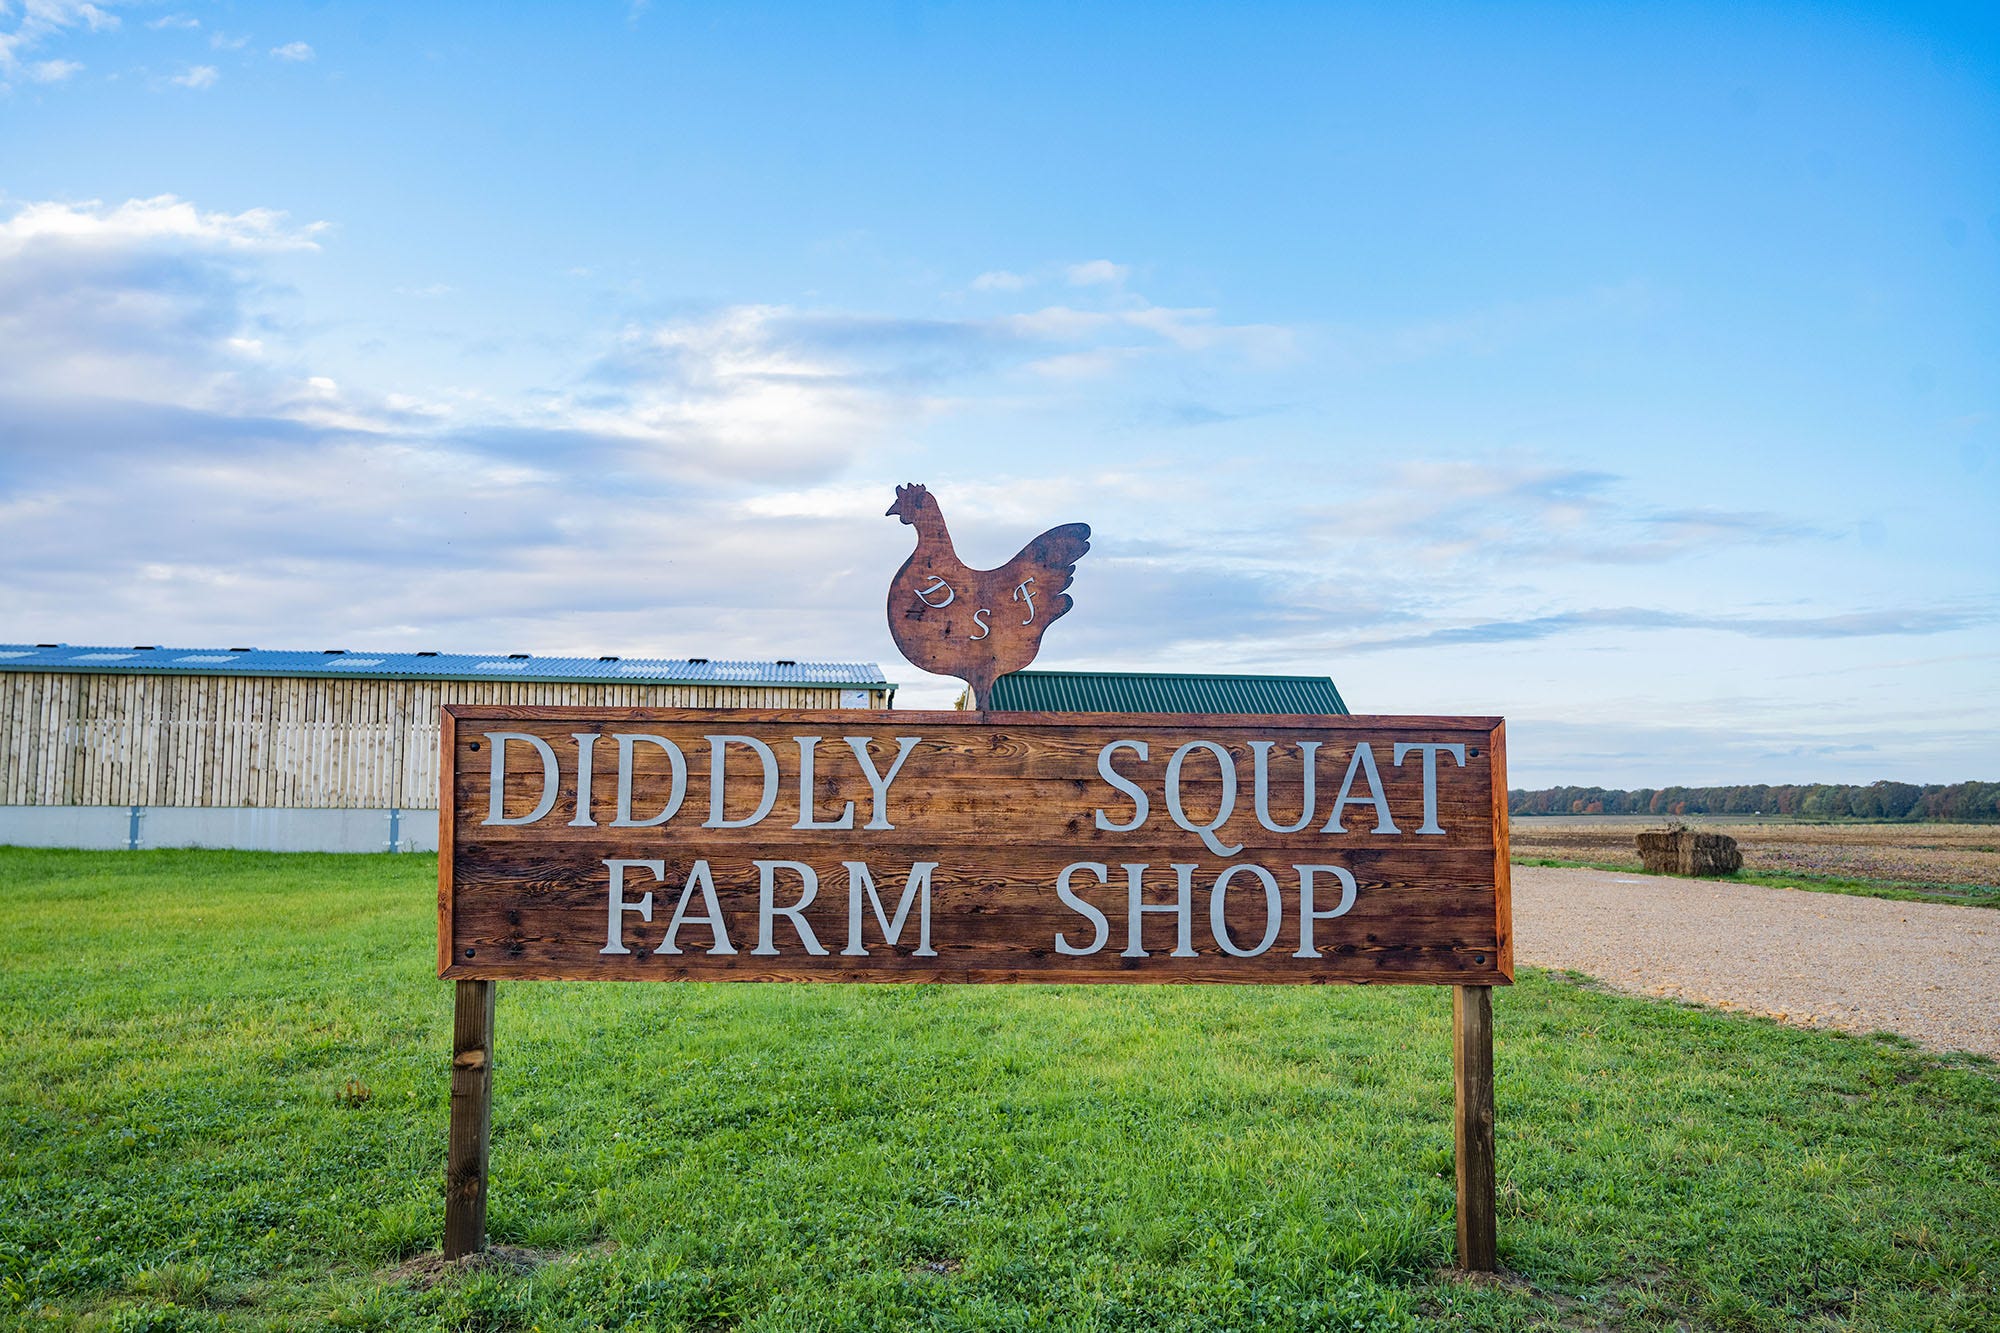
[(1170, 692)]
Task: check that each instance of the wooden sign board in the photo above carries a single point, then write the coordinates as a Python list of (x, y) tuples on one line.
[(742, 845)]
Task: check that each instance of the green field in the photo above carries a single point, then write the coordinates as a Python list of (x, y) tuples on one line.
[(223, 1087)]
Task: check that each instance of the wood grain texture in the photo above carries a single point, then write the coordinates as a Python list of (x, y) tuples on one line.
[(1503, 860), (447, 840), (1472, 1104), (470, 1133), (997, 806), (976, 624)]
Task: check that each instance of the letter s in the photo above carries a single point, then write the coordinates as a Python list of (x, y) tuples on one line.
[(1140, 806), (983, 630), (1082, 908)]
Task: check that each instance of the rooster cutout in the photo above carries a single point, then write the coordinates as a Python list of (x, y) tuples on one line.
[(977, 624)]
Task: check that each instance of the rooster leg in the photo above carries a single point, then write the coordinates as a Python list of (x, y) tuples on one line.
[(981, 687)]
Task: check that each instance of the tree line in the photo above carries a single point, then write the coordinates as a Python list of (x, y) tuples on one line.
[(1956, 802)]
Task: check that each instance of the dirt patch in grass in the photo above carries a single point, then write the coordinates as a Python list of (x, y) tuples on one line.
[(1605, 1313), (427, 1270)]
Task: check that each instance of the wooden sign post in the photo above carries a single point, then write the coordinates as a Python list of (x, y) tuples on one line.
[(745, 845)]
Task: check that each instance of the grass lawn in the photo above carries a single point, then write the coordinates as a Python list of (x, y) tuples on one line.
[(223, 1092)]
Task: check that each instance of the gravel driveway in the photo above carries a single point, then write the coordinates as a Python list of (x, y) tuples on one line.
[(1929, 971)]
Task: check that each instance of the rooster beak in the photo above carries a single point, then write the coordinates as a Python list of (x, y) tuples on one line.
[(890, 511)]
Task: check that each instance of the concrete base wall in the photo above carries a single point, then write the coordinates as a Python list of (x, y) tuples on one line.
[(244, 828), (98, 827)]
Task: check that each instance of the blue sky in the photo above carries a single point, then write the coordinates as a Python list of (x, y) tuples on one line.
[(1632, 373)]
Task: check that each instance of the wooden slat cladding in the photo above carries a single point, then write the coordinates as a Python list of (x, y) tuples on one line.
[(973, 825), (125, 738)]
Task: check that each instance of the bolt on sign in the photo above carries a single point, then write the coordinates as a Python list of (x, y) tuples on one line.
[(673, 845)]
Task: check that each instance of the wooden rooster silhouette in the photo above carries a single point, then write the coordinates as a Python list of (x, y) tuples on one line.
[(977, 624)]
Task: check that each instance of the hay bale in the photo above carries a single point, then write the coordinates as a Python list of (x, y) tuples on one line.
[(1682, 851)]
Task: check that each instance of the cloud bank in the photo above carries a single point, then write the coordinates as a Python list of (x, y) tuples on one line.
[(711, 482)]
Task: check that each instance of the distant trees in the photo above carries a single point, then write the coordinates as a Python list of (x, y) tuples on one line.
[(1959, 802)]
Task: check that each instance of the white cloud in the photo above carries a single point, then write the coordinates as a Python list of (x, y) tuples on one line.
[(731, 392), (998, 280), (222, 41), (742, 444), (197, 77), (293, 51), (658, 508), (774, 386), (1097, 273), (1185, 330), (715, 486), (53, 71), (35, 21), (174, 21), (141, 299), (745, 439), (1197, 330), (1098, 363), (161, 219), (839, 502), (1465, 515), (1056, 323)]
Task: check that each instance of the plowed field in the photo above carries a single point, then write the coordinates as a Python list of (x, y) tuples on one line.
[(1955, 854)]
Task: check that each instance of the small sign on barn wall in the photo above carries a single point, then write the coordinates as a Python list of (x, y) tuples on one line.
[(669, 845)]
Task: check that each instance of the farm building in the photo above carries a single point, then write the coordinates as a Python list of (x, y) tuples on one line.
[(303, 751)]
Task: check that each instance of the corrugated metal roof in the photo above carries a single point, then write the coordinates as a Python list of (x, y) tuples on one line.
[(437, 666), (1146, 692)]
